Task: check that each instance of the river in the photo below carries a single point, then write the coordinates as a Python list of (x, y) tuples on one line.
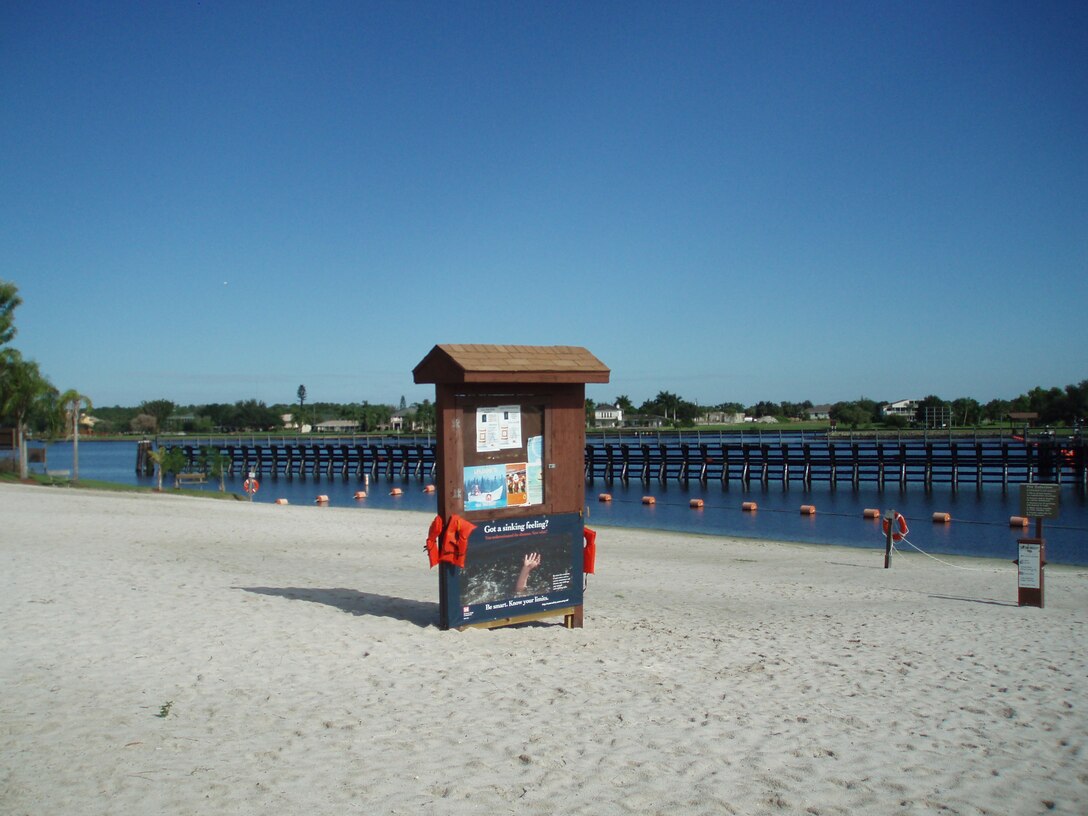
[(979, 526)]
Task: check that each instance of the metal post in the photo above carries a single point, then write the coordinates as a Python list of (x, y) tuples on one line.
[(889, 519)]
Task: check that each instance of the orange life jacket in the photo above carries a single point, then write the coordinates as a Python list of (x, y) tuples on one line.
[(433, 535), (455, 541), (589, 549)]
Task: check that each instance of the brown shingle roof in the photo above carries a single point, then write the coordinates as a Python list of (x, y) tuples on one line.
[(465, 363)]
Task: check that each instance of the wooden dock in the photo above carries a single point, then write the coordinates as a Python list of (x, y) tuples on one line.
[(981, 461), (317, 459), (990, 461)]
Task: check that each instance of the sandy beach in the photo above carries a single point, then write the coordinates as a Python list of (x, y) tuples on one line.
[(170, 655)]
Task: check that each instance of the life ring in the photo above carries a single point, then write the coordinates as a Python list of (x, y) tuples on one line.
[(901, 529), (251, 485)]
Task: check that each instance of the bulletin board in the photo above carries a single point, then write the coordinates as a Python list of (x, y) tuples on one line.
[(510, 465), (503, 457)]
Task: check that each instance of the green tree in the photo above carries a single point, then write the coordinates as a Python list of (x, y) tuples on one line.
[(850, 413), (301, 404), (686, 413), (253, 414), (623, 402), (930, 410), (9, 301), (966, 411), (730, 408), (214, 462), (23, 391), (591, 413), (996, 410), (665, 404), (1076, 399), (763, 408), (167, 460), (425, 415), (161, 409), (143, 424)]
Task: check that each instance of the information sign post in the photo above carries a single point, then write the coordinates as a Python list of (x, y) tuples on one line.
[(508, 540), (1037, 501)]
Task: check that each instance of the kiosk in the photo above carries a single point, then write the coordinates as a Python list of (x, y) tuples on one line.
[(509, 535)]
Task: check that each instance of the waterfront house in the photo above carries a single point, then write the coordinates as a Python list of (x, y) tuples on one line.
[(607, 416), (905, 408)]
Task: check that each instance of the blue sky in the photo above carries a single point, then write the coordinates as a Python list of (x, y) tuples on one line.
[(208, 202)]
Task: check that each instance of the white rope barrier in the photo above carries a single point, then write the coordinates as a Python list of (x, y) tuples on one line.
[(942, 561)]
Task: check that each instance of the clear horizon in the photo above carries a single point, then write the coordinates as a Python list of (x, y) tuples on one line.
[(727, 201)]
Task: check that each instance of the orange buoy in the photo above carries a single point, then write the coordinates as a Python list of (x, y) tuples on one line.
[(808, 509), (696, 504), (870, 513), (649, 500), (1018, 521), (605, 497), (396, 491), (428, 489), (322, 499), (749, 507), (942, 518), (360, 494), (281, 501)]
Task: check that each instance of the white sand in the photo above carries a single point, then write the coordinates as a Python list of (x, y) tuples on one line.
[(295, 654)]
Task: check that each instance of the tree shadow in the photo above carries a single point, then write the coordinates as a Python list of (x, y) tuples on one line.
[(354, 602)]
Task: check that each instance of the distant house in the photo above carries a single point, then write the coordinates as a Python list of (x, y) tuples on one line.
[(403, 420), (905, 408), (289, 424), (1026, 418), (341, 426), (646, 421), (607, 416), (720, 418), (819, 413)]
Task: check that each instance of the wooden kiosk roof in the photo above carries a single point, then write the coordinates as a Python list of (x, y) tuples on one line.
[(451, 363)]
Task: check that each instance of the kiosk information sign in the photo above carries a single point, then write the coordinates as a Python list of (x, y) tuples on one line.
[(510, 463)]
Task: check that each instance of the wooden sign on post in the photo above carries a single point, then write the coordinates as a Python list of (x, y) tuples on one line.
[(1039, 501), (510, 469)]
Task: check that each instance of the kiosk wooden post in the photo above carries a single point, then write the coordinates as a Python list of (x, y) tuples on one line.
[(510, 463)]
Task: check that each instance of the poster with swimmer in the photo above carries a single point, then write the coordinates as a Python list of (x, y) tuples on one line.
[(520, 566)]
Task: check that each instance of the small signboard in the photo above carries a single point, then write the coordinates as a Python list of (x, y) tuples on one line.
[(1029, 578), (1040, 500), (1029, 575)]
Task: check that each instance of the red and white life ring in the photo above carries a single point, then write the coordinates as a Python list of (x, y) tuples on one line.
[(900, 531), (251, 485)]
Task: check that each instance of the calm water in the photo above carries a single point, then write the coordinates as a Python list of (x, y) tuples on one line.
[(979, 517)]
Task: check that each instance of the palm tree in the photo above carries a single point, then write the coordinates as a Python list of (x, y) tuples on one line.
[(9, 299), (170, 460), (217, 464), (23, 389), (73, 402)]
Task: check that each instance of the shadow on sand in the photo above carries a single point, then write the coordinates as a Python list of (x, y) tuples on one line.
[(354, 602), (991, 601)]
